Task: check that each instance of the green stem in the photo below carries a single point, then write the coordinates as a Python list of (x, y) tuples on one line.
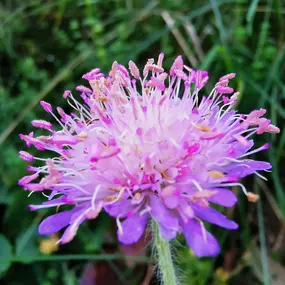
[(68, 257), (163, 256)]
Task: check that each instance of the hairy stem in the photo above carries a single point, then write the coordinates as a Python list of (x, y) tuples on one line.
[(162, 253)]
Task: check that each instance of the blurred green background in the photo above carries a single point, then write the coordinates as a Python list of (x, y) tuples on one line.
[(45, 48)]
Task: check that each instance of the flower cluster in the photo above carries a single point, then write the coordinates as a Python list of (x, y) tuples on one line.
[(145, 144)]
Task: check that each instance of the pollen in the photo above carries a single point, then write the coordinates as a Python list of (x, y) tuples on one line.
[(48, 246), (216, 174), (202, 128), (252, 197), (91, 121), (113, 189), (82, 135), (103, 99), (165, 176), (138, 195), (112, 198), (203, 196)]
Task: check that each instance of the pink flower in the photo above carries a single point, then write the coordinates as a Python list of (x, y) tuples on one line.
[(140, 147)]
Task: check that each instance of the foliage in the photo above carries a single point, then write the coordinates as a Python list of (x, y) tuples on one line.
[(45, 48)]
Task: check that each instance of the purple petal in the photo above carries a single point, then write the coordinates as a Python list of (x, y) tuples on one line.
[(247, 167), (213, 216), (54, 223), (162, 215), (223, 197), (119, 209), (166, 233), (132, 229), (171, 201), (202, 245), (78, 215), (240, 149), (259, 165), (69, 234), (63, 200)]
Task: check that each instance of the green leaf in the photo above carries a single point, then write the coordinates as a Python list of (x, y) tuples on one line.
[(210, 57), (5, 254), (18, 208), (25, 243), (5, 196), (219, 20), (262, 237), (68, 277), (251, 13)]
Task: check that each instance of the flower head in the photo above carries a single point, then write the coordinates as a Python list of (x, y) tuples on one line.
[(144, 144)]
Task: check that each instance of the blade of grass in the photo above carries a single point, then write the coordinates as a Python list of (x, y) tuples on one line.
[(210, 57), (250, 15), (23, 240), (280, 193), (281, 146), (191, 31), (219, 20), (68, 277), (263, 94), (146, 11), (264, 32), (281, 86), (272, 201), (244, 222), (273, 112), (141, 15), (274, 71), (69, 257), (179, 38), (58, 78), (116, 269), (277, 6), (145, 44), (265, 268), (195, 13), (77, 61), (18, 11), (208, 7), (199, 12), (225, 51)]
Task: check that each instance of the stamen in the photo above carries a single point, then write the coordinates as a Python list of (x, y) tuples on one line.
[(216, 174), (119, 225), (114, 199), (261, 176), (202, 128), (94, 197), (264, 147), (137, 196), (252, 197), (198, 186), (203, 230), (235, 184), (146, 210)]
